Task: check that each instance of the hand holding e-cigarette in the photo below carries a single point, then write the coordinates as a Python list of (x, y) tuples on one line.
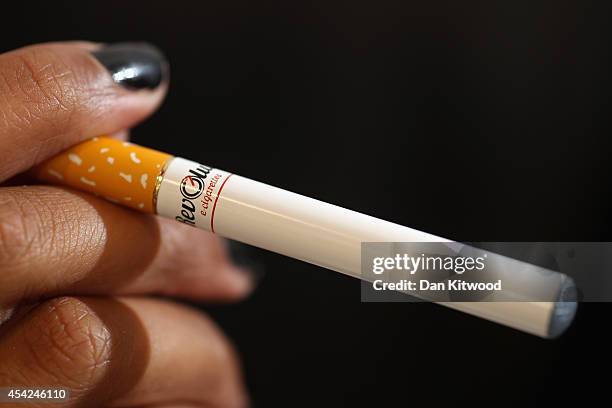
[(75, 269), (57, 243)]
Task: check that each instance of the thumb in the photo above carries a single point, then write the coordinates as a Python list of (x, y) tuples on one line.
[(58, 94)]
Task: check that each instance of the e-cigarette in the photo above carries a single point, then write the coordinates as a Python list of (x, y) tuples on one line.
[(255, 213)]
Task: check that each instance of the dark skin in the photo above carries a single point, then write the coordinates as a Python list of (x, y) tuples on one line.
[(75, 271)]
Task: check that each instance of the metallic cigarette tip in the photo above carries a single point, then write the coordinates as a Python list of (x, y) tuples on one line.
[(564, 309)]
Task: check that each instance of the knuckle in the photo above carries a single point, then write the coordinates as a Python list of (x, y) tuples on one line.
[(42, 87), (17, 235), (226, 385), (220, 351), (225, 353), (68, 342), (39, 228)]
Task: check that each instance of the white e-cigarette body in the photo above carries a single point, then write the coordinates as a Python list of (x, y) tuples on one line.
[(316, 232)]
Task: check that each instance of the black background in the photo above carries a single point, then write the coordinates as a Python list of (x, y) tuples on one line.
[(474, 121)]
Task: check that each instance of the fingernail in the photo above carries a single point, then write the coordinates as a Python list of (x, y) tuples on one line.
[(134, 65)]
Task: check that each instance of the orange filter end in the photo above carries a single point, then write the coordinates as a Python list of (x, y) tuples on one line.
[(119, 171)]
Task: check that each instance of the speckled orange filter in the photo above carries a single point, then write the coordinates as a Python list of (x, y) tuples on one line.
[(119, 171)]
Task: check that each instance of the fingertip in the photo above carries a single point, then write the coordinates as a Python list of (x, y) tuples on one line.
[(240, 283), (225, 284)]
